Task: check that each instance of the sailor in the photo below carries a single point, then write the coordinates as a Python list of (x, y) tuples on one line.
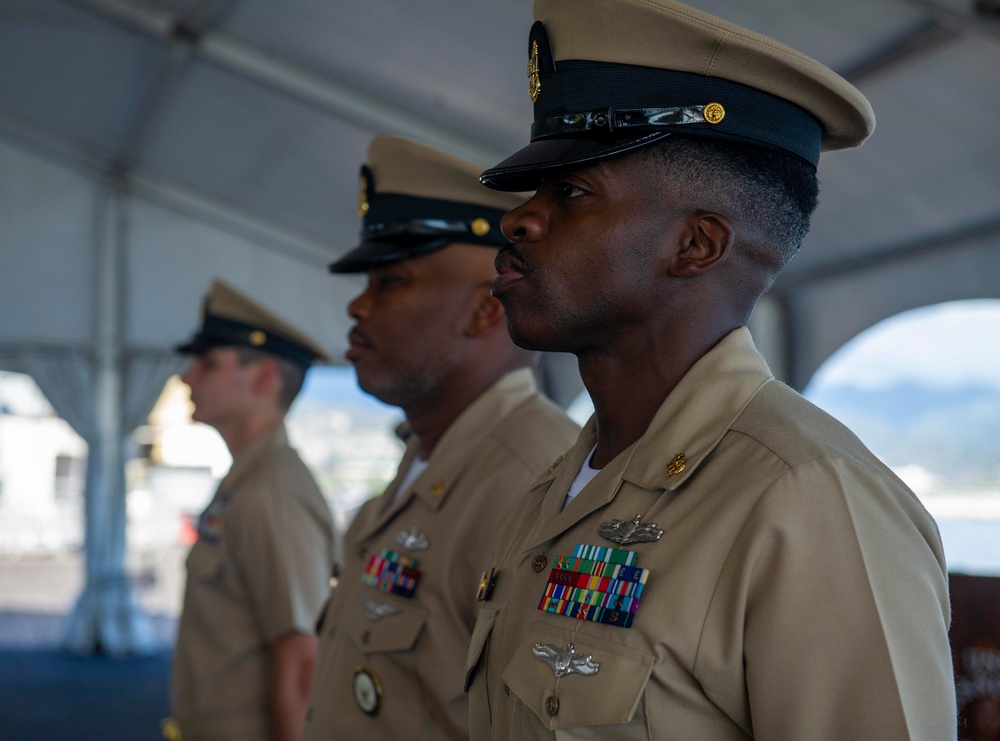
[(429, 338), (716, 558), (258, 575)]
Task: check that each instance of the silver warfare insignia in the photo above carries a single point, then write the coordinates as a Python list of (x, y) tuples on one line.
[(375, 610), (565, 661), (625, 533), (412, 540)]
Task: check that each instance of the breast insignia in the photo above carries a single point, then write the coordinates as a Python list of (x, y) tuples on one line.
[(412, 540), (367, 690), (565, 661), (375, 610), (626, 533)]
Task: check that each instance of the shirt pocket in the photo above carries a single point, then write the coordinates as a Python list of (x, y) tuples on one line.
[(609, 696), (396, 627), (204, 562), (480, 634)]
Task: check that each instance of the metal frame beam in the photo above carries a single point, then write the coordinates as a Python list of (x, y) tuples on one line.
[(266, 68), (879, 257), (163, 192)]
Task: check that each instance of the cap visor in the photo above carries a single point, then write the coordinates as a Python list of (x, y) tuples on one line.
[(526, 168), (195, 346), (371, 254)]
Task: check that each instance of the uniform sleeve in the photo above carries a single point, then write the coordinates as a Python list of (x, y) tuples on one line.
[(839, 581), (284, 548)]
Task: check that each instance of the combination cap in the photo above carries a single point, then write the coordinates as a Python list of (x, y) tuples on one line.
[(414, 199), (610, 76), (232, 319)]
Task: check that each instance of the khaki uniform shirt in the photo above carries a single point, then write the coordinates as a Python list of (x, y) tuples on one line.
[(414, 647), (798, 591), (259, 570)]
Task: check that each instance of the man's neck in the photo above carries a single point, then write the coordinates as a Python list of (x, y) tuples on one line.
[(629, 384), (431, 419), (239, 437)]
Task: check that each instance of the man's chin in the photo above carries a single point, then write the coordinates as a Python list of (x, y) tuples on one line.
[(527, 337)]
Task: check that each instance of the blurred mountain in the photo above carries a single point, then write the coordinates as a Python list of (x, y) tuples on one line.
[(953, 433)]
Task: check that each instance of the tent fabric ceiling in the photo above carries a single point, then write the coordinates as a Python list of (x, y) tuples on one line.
[(251, 117)]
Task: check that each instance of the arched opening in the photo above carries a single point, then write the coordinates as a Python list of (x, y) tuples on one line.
[(173, 467), (345, 437), (42, 469), (922, 390)]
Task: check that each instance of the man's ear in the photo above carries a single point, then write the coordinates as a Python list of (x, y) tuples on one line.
[(266, 376), (487, 314), (705, 241)]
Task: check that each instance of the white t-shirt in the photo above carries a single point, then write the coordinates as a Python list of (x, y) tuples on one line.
[(416, 468), (584, 477)]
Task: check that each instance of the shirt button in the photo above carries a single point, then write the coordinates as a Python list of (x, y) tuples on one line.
[(506, 689), (551, 704), (538, 563)]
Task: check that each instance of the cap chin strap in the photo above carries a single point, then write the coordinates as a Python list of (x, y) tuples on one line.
[(617, 119), (416, 228)]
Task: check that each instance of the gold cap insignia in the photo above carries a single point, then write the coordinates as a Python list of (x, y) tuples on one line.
[(534, 82), (362, 196), (714, 113), (480, 227), (257, 338)]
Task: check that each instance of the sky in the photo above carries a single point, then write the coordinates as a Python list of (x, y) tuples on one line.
[(943, 346)]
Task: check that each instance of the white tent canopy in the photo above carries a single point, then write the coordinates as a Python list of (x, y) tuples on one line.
[(149, 146)]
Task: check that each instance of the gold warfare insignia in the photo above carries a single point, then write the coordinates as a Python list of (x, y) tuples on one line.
[(565, 661), (626, 533), (363, 196), (534, 82), (480, 227), (714, 113), (171, 731), (257, 338), (677, 465)]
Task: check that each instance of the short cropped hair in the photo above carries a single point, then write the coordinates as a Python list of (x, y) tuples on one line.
[(292, 375), (773, 192)]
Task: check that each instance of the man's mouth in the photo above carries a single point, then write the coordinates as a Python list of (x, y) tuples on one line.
[(358, 344), (510, 267)]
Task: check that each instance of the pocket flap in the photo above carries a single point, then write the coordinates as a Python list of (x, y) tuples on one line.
[(204, 561), (608, 696), (484, 626), (396, 628)]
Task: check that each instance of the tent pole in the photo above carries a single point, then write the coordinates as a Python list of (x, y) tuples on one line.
[(106, 617)]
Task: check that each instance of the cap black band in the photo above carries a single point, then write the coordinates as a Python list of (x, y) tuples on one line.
[(585, 98), (398, 227), (217, 331), (392, 216)]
